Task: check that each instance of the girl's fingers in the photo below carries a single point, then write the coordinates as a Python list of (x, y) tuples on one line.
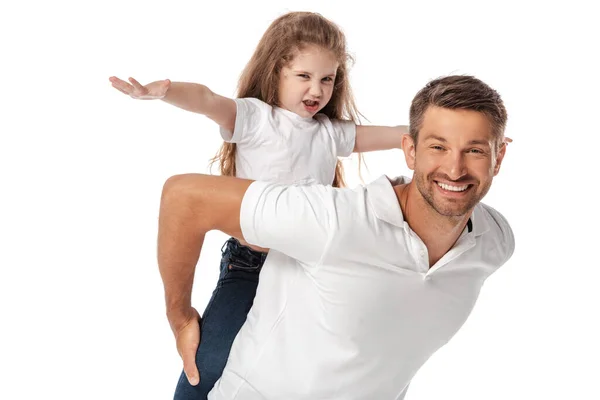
[(136, 84), (120, 90)]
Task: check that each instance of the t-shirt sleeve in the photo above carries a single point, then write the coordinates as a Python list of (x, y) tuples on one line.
[(292, 219), (344, 134), (507, 238), (249, 119)]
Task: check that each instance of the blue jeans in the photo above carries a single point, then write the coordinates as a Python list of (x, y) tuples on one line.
[(223, 317)]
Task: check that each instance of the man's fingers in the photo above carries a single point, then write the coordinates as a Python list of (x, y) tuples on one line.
[(189, 366), (188, 340)]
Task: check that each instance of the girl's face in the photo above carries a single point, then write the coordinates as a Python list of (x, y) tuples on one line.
[(306, 83)]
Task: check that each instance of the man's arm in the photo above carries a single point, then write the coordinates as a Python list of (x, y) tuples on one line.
[(373, 138), (294, 220), (192, 205)]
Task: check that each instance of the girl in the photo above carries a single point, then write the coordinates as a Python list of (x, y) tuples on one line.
[(294, 116)]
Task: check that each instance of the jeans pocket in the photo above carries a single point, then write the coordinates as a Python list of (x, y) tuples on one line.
[(235, 264)]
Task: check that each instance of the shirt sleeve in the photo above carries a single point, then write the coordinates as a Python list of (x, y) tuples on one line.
[(507, 236), (292, 219), (344, 134), (249, 119)]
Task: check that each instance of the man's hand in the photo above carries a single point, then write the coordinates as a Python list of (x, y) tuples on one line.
[(152, 91), (187, 337)]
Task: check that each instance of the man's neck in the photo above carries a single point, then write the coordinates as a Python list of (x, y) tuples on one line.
[(438, 232)]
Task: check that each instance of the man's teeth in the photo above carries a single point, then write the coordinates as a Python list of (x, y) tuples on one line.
[(452, 188)]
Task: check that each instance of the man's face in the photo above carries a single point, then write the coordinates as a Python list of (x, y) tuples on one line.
[(455, 160)]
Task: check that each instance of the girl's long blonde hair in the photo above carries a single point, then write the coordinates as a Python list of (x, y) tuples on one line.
[(260, 78)]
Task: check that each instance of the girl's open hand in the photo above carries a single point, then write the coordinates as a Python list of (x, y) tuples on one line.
[(152, 91)]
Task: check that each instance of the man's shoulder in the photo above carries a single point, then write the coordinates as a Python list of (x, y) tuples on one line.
[(346, 203), (493, 216), (338, 203), (495, 229), (338, 195)]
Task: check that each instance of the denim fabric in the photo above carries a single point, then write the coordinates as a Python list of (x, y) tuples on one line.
[(224, 316)]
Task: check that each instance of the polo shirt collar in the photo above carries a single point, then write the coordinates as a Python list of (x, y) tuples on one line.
[(386, 207)]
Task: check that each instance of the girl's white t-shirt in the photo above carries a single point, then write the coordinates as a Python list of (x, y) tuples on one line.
[(277, 145)]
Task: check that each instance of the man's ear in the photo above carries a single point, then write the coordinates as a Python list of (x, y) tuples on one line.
[(500, 157), (409, 148)]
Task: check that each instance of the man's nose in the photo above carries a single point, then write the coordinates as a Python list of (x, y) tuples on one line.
[(455, 166)]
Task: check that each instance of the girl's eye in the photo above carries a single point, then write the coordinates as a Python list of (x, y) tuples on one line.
[(327, 79), (303, 76)]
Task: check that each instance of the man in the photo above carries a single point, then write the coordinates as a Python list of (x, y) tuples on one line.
[(360, 286)]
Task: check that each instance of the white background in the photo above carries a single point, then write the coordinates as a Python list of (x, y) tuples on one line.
[(82, 168)]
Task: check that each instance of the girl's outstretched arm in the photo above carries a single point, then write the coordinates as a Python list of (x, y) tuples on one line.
[(372, 138), (192, 97)]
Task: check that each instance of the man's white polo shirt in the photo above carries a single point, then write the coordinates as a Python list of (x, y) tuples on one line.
[(347, 306)]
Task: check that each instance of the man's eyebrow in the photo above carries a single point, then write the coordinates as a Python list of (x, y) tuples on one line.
[(435, 137), (481, 142), (443, 140)]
